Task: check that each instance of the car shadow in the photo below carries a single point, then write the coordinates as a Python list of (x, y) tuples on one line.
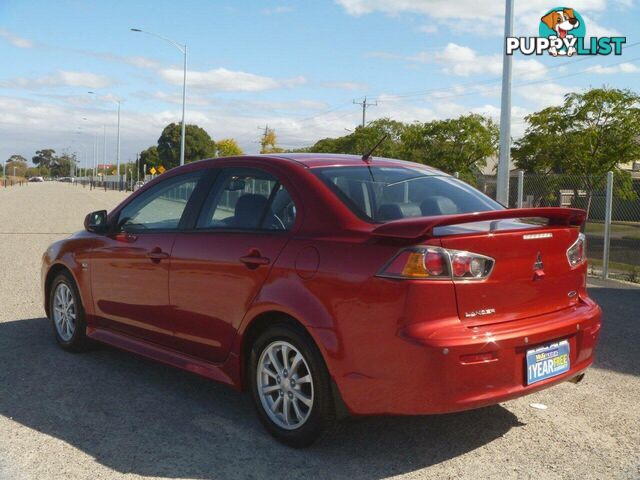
[(620, 335), (136, 416)]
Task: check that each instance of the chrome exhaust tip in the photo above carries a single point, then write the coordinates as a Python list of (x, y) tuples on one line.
[(577, 379)]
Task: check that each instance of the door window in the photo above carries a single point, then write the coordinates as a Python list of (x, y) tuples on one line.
[(160, 208), (248, 199)]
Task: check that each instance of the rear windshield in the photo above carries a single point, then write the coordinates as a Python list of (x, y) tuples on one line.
[(382, 194)]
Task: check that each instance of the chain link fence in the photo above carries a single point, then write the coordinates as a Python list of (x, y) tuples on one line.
[(589, 193)]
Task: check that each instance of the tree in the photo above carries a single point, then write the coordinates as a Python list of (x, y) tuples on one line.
[(198, 145), (590, 134), (460, 144), (363, 139), (17, 164), (16, 158), (45, 158), (63, 165), (228, 147), (268, 142), (148, 158)]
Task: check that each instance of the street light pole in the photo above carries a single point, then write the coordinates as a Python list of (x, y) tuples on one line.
[(183, 50), (104, 148), (502, 191), (118, 142), (95, 157), (184, 97)]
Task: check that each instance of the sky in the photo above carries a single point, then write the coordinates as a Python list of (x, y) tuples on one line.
[(296, 66)]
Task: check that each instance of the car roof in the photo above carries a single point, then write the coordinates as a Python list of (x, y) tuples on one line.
[(316, 160)]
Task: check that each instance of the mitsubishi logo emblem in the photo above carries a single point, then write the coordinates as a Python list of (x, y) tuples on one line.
[(538, 267)]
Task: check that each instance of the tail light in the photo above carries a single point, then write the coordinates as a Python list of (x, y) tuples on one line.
[(576, 254), (438, 264)]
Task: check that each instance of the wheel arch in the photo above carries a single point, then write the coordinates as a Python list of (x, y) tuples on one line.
[(55, 270), (261, 322)]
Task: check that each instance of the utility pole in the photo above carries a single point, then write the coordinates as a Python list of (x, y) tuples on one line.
[(118, 151), (104, 149), (364, 105), (264, 137), (502, 190)]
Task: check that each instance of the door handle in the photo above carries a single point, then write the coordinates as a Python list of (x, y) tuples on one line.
[(254, 259), (156, 254)]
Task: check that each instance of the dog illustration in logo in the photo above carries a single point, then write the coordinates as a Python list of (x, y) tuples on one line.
[(561, 22)]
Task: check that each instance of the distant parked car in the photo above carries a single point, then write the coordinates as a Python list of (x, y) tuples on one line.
[(67, 179), (137, 185), (36, 179)]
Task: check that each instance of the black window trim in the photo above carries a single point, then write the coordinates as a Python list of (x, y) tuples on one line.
[(203, 176)]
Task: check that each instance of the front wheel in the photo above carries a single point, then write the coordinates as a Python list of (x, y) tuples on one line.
[(67, 314), (290, 386)]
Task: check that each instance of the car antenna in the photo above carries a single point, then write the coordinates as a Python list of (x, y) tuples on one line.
[(367, 156)]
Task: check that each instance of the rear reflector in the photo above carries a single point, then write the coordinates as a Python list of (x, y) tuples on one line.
[(478, 358), (435, 263)]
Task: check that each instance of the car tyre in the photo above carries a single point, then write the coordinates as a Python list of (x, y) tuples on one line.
[(67, 314), (311, 409)]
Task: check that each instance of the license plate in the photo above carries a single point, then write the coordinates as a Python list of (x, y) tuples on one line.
[(547, 361)]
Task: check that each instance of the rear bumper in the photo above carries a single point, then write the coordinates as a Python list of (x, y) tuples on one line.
[(436, 371)]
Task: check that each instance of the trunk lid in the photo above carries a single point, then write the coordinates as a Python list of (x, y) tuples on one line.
[(531, 275)]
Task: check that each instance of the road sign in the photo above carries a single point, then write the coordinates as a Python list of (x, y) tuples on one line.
[(152, 171), (161, 169)]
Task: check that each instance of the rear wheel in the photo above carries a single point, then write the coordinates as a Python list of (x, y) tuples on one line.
[(67, 315), (290, 386)]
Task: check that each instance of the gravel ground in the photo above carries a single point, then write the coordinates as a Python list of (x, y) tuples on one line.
[(109, 414)]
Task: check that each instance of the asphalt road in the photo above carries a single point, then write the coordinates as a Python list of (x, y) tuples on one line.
[(108, 414)]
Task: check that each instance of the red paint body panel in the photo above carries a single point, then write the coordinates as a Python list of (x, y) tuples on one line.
[(391, 346), (211, 290)]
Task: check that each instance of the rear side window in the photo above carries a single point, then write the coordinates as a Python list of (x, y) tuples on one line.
[(382, 194), (248, 199)]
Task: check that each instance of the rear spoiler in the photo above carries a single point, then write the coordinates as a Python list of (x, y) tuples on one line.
[(416, 227)]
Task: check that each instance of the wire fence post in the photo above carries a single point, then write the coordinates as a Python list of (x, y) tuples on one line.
[(607, 225), (520, 187)]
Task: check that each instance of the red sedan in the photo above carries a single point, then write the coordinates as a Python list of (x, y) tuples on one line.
[(331, 285)]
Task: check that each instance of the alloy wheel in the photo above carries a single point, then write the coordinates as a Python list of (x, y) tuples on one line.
[(64, 312), (285, 385)]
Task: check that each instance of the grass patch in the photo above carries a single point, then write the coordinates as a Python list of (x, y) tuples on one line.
[(630, 230)]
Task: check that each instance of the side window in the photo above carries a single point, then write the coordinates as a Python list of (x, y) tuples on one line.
[(161, 207), (248, 199)]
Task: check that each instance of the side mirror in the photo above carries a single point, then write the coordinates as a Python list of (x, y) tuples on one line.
[(96, 222)]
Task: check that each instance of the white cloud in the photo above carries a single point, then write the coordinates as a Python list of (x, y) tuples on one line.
[(428, 28), (620, 68), (544, 95), (468, 16), (59, 79), (15, 40), (594, 29), (463, 61), (222, 79), (140, 62)]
